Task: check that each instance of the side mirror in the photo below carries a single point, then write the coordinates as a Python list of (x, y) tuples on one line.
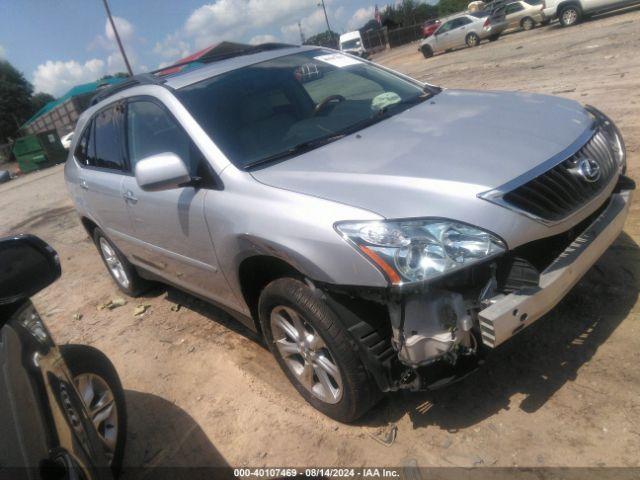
[(27, 265), (163, 171)]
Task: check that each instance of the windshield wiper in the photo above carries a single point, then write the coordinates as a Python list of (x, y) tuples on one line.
[(297, 149), (409, 101)]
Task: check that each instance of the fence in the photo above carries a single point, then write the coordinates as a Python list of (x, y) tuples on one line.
[(381, 38)]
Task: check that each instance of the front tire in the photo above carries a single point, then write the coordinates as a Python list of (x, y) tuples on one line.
[(314, 350), (472, 40), (427, 51), (98, 384), (569, 15), (120, 269)]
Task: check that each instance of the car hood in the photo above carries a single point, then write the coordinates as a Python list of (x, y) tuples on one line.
[(451, 147)]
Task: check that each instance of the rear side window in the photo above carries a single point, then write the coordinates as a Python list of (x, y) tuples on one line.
[(109, 152), (152, 130), (514, 7)]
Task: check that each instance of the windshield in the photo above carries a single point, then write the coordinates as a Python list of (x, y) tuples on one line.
[(347, 44), (282, 106)]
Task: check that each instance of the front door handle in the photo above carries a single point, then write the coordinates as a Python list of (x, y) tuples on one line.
[(130, 197), (83, 185)]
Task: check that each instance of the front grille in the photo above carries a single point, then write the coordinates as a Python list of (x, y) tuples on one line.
[(562, 190)]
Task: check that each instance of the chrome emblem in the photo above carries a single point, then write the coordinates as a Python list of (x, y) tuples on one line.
[(589, 169)]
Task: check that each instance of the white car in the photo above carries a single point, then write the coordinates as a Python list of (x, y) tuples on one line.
[(467, 29), (66, 140), (570, 12)]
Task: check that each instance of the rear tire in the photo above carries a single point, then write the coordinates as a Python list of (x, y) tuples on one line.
[(527, 23), (93, 373), (472, 40), (426, 50), (569, 15), (495, 37), (120, 269), (309, 342)]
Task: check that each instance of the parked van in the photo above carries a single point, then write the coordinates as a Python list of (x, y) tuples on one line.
[(351, 42)]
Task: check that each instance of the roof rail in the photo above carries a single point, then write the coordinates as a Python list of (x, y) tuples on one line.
[(156, 78), (140, 79)]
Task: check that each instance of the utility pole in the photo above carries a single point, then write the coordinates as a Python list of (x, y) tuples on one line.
[(115, 32), (326, 17), (301, 33)]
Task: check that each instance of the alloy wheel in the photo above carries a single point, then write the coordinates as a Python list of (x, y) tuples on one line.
[(114, 264), (306, 354), (569, 16), (100, 403)]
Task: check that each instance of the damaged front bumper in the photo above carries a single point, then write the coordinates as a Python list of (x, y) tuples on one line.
[(428, 335), (509, 314)]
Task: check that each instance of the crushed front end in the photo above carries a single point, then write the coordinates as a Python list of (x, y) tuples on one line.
[(423, 334)]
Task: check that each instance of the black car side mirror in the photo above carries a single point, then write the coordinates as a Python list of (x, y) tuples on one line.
[(27, 265)]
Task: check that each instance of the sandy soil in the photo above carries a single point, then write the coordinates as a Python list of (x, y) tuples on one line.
[(202, 390)]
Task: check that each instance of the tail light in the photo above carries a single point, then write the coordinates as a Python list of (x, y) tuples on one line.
[(487, 22)]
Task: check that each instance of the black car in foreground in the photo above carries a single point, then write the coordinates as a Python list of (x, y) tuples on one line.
[(62, 410)]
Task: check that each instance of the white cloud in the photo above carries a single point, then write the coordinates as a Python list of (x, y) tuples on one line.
[(235, 20), (360, 17), (258, 39), (232, 19), (311, 24), (124, 27), (58, 77), (173, 47)]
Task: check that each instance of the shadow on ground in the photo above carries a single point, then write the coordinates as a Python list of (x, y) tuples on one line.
[(163, 440), (538, 361)]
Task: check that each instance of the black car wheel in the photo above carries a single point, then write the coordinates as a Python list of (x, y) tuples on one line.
[(495, 37), (120, 269), (472, 40), (314, 350), (100, 389), (427, 52), (569, 15)]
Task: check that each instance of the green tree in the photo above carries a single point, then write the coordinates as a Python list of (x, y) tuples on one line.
[(324, 39), (115, 75), (15, 100), (447, 7), (407, 13), (39, 100)]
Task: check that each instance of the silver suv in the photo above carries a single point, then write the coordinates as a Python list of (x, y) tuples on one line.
[(381, 233)]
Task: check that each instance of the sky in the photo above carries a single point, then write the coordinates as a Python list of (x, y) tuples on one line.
[(57, 44)]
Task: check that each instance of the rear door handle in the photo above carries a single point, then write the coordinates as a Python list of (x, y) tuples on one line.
[(130, 197), (83, 185)]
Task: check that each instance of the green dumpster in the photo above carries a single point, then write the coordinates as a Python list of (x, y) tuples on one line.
[(41, 150)]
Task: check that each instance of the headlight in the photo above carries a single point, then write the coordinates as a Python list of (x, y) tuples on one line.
[(613, 135), (417, 250), (32, 323)]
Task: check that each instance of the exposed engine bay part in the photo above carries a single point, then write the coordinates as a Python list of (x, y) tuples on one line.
[(436, 324)]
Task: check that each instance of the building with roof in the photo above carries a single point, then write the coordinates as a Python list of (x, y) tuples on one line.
[(61, 114)]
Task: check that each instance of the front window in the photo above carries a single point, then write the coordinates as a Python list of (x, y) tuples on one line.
[(284, 106)]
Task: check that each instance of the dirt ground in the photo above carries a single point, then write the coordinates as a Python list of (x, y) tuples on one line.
[(202, 390)]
